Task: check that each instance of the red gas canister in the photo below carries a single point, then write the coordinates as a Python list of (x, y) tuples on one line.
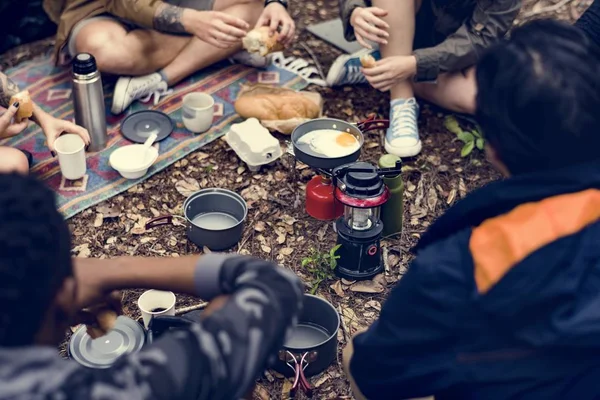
[(320, 201)]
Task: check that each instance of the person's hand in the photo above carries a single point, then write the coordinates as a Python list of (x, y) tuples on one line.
[(8, 128), (390, 71), (368, 25), (54, 127), (276, 17), (216, 28)]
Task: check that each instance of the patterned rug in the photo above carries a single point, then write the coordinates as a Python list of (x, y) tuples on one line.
[(50, 87)]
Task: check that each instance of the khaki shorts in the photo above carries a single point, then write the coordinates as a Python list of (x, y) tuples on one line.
[(71, 50)]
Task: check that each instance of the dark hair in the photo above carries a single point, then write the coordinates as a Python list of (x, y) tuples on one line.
[(35, 257), (538, 98)]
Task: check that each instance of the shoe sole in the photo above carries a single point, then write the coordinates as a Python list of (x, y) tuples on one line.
[(404, 152), (121, 87)]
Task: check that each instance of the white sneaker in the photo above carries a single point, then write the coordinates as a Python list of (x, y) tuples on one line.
[(130, 89), (250, 59), (402, 137)]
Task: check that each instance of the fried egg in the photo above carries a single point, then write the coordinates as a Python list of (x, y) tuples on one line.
[(330, 142)]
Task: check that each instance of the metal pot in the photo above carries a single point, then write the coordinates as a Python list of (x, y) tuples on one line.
[(313, 345), (215, 218), (316, 160)]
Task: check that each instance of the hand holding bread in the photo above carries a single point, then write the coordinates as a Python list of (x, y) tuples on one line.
[(261, 42), (367, 61), (25, 110)]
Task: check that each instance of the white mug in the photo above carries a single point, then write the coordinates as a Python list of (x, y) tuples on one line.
[(70, 149), (198, 110), (151, 300)]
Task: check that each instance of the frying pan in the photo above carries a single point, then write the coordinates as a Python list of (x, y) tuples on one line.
[(304, 153)]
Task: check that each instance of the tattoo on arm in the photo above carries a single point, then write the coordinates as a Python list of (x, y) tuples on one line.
[(168, 19), (7, 89)]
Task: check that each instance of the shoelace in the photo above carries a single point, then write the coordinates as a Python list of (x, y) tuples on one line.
[(157, 94), (354, 75), (404, 119)]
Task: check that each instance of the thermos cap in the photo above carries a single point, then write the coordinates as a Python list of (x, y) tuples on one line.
[(84, 64), (388, 161)]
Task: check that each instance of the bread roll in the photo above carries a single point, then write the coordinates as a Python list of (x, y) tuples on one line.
[(259, 41), (105, 322), (269, 107), (25, 105), (367, 61)]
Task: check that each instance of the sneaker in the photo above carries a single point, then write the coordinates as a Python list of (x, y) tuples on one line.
[(345, 70), (130, 89), (250, 59), (402, 137)]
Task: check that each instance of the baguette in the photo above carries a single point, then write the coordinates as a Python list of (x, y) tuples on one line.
[(259, 41), (270, 107), (367, 61), (25, 105)]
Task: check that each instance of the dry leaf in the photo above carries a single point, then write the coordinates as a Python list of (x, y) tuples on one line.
[(338, 289), (109, 212), (349, 317), (241, 170), (393, 260), (99, 220), (82, 251), (367, 287), (285, 390), (201, 156), (286, 251), (322, 231), (260, 226), (322, 380), (111, 240), (462, 188), (261, 393), (281, 237), (187, 186), (347, 282), (289, 220), (266, 249), (432, 199), (372, 145), (374, 304), (451, 196)]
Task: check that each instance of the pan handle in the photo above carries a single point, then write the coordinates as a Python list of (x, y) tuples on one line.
[(371, 123), (159, 221)]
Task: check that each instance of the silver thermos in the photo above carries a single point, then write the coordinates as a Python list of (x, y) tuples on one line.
[(88, 97)]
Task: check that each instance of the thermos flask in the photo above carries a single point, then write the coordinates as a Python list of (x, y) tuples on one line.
[(88, 98), (392, 210)]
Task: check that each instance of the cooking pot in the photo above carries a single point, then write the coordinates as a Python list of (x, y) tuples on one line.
[(215, 218)]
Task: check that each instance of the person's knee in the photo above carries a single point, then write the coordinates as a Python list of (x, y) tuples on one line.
[(13, 160), (465, 103), (102, 45)]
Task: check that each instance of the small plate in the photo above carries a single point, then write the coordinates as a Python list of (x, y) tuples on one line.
[(138, 126), (127, 336)]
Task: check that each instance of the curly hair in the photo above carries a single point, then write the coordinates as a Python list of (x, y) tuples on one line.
[(538, 97), (35, 257)]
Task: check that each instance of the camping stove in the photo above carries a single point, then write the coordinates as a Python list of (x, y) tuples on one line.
[(321, 203)]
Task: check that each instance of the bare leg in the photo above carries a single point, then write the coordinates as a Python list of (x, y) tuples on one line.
[(453, 91), (401, 19), (13, 160), (187, 62), (119, 52)]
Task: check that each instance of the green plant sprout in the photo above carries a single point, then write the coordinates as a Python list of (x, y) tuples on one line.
[(321, 266), (471, 139)]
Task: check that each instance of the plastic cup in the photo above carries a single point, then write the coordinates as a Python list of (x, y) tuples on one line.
[(70, 149), (156, 302)]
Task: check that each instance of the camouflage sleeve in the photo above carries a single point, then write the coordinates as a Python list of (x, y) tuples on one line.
[(490, 21), (220, 357)]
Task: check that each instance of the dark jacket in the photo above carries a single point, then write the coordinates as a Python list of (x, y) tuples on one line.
[(501, 302), (466, 38)]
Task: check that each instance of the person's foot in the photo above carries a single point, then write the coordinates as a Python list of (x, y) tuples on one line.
[(250, 59), (402, 137), (345, 70), (130, 89)]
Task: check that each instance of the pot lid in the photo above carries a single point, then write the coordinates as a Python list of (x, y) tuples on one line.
[(360, 179), (138, 126), (126, 337)]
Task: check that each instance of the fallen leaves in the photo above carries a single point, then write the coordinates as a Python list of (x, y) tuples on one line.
[(187, 186), (82, 251), (338, 288), (367, 287)]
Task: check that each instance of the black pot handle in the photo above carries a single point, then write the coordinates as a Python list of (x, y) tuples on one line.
[(159, 221)]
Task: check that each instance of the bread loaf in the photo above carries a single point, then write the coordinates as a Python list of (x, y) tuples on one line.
[(259, 41), (105, 322), (367, 61), (25, 105), (283, 106)]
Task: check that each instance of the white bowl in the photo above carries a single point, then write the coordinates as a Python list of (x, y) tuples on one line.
[(127, 160)]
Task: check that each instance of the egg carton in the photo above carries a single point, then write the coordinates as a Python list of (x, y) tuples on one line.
[(253, 144)]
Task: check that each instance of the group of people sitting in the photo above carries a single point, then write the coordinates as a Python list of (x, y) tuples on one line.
[(502, 300)]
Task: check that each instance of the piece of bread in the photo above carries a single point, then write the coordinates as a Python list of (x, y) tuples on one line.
[(105, 322), (283, 106), (367, 61), (259, 41), (25, 105)]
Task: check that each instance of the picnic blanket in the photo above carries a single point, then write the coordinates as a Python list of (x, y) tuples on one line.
[(50, 87)]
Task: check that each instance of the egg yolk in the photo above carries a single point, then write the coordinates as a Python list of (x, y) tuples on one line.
[(345, 139)]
